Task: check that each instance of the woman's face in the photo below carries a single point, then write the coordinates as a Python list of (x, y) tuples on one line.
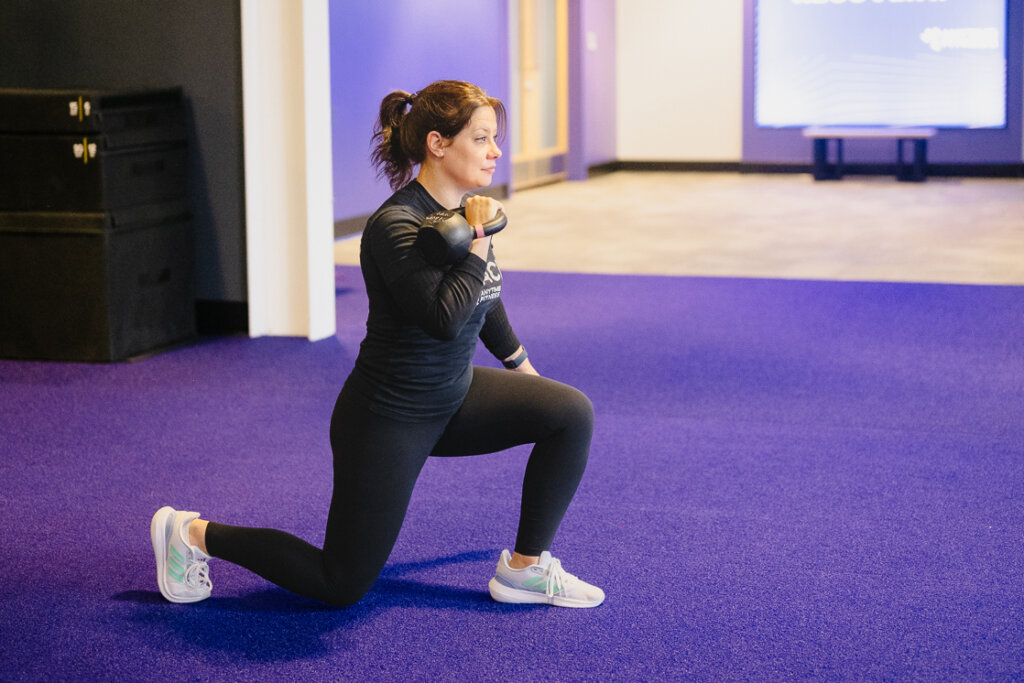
[(470, 158)]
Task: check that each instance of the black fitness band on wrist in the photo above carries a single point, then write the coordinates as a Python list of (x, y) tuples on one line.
[(516, 360)]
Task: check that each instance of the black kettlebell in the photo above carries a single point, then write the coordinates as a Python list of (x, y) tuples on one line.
[(445, 236)]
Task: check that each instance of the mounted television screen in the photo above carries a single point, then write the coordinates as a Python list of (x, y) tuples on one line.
[(880, 63)]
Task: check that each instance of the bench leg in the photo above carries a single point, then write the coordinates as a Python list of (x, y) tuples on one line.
[(920, 159), (915, 172), (822, 169)]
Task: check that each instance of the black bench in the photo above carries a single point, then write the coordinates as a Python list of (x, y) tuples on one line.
[(913, 171)]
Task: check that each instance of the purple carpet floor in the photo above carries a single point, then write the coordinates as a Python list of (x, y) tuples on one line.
[(789, 480)]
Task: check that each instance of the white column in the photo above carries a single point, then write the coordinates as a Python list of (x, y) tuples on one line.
[(288, 185)]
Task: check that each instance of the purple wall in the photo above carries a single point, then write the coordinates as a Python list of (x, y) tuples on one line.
[(764, 145), (380, 46), (592, 89)]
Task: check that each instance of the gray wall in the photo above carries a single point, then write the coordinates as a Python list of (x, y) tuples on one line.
[(194, 44)]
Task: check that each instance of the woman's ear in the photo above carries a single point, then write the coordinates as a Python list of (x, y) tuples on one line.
[(436, 144)]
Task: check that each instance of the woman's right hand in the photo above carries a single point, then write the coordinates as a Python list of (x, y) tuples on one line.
[(479, 210)]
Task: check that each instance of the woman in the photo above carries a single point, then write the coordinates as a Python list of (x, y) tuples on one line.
[(413, 392)]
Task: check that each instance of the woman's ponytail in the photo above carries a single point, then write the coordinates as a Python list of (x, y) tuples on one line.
[(391, 160)]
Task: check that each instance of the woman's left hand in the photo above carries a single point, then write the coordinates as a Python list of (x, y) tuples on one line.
[(527, 368)]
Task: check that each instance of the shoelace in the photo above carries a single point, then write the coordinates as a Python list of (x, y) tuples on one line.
[(557, 580), (198, 575)]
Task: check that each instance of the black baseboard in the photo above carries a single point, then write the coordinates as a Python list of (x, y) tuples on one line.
[(222, 317), (977, 170), (353, 226), (937, 170), (603, 169), (941, 170), (697, 167)]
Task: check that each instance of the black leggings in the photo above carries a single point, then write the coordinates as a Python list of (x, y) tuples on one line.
[(377, 462)]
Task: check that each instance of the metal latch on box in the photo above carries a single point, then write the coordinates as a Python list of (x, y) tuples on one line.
[(85, 150), (80, 109)]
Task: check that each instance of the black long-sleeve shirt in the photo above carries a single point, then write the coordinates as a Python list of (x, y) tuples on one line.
[(415, 362)]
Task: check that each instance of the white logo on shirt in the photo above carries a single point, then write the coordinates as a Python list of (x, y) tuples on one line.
[(492, 277)]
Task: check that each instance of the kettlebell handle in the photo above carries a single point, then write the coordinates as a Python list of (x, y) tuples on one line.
[(445, 237), (490, 227)]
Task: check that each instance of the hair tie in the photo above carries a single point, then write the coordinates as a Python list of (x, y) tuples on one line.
[(409, 99)]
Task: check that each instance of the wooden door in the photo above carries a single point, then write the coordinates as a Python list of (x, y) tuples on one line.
[(540, 91)]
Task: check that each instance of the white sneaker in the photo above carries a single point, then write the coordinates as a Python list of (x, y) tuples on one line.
[(181, 569), (544, 582)]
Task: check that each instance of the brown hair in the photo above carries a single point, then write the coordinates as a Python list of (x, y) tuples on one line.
[(400, 136)]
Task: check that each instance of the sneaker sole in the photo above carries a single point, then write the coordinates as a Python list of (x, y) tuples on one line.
[(160, 530), (502, 593)]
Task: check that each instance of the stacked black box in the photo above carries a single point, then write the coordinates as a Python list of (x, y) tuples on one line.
[(95, 231)]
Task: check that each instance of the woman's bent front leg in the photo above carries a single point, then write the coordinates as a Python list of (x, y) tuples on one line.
[(505, 409)]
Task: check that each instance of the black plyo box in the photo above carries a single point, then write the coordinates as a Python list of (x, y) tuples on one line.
[(129, 118), (80, 174), (89, 150), (95, 287)]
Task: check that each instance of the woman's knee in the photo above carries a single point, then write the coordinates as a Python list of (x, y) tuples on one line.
[(578, 410), (346, 592)]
